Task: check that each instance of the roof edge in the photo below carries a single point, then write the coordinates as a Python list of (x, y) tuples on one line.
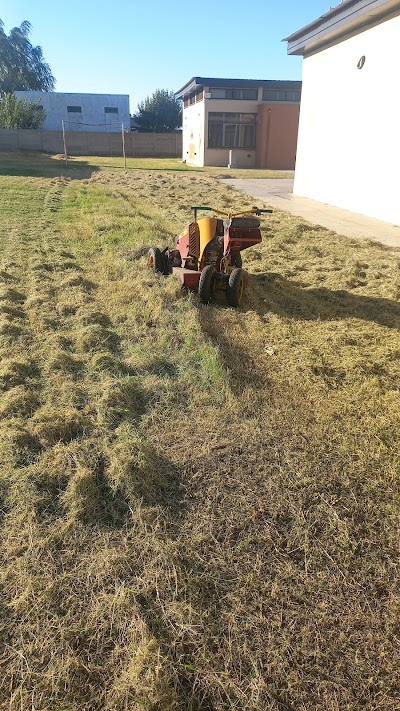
[(224, 82), (338, 22)]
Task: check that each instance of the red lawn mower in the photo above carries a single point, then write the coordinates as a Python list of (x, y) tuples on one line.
[(206, 256)]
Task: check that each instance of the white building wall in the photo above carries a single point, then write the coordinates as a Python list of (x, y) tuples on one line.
[(193, 134), (55, 105), (348, 151)]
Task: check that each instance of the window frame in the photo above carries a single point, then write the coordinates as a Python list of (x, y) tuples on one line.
[(233, 93), (228, 130), (282, 96)]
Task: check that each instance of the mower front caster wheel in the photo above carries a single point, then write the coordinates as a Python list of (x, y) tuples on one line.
[(236, 261), (235, 288), (156, 260), (207, 283)]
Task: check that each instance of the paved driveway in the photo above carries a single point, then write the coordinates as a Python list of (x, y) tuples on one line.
[(278, 193)]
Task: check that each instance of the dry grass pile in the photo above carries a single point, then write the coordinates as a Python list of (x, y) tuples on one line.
[(200, 505)]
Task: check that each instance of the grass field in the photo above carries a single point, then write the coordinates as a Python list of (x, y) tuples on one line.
[(37, 164), (199, 505)]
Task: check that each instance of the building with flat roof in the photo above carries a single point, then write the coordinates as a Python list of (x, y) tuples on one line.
[(244, 123), (348, 151), (105, 112)]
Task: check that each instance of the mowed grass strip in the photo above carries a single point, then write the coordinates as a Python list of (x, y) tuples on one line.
[(44, 164), (200, 505)]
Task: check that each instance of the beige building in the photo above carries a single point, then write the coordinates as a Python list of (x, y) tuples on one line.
[(244, 123), (348, 151)]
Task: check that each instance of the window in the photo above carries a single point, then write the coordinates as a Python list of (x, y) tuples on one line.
[(230, 130), (110, 110), (193, 98), (231, 93), (74, 109), (189, 100), (276, 95)]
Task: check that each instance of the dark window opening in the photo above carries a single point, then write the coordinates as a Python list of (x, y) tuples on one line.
[(193, 98), (231, 130), (110, 110), (230, 93), (276, 95), (74, 109)]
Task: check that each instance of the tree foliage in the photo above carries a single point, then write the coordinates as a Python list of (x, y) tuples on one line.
[(160, 112), (20, 114), (22, 66)]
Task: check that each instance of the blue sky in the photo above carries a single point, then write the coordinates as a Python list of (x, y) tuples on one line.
[(134, 47)]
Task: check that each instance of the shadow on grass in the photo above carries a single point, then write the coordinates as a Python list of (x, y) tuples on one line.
[(42, 165), (237, 355), (182, 657), (90, 496), (164, 491), (287, 298)]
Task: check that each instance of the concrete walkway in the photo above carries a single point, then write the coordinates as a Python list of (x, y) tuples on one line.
[(278, 193)]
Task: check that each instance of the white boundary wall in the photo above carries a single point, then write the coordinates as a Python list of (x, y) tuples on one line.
[(348, 151)]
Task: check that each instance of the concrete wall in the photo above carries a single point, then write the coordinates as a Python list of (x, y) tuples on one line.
[(92, 109), (158, 145), (348, 151), (241, 157), (276, 137)]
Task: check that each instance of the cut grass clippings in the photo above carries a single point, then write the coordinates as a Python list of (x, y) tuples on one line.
[(200, 505)]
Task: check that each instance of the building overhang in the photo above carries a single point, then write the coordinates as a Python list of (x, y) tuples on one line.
[(197, 83), (348, 18)]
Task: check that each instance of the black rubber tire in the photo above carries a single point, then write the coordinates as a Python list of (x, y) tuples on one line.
[(156, 260), (206, 283), (236, 261), (235, 288)]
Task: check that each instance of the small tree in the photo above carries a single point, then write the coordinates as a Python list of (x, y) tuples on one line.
[(20, 114), (160, 113)]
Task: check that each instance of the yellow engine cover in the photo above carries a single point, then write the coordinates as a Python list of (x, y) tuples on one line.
[(208, 227)]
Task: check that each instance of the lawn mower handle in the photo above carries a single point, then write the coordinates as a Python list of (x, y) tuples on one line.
[(253, 211)]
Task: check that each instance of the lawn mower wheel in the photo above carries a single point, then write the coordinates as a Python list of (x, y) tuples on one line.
[(156, 260), (207, 283)]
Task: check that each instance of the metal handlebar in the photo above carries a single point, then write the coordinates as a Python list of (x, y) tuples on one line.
[(253, 211)]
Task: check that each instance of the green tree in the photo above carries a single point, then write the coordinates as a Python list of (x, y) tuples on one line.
[(160, 112), (22, 66), (20, 114)]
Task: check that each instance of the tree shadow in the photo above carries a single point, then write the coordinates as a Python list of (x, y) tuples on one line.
[(90, 496), (162, 490), (43, 165), (273, 292), (181, 656)]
